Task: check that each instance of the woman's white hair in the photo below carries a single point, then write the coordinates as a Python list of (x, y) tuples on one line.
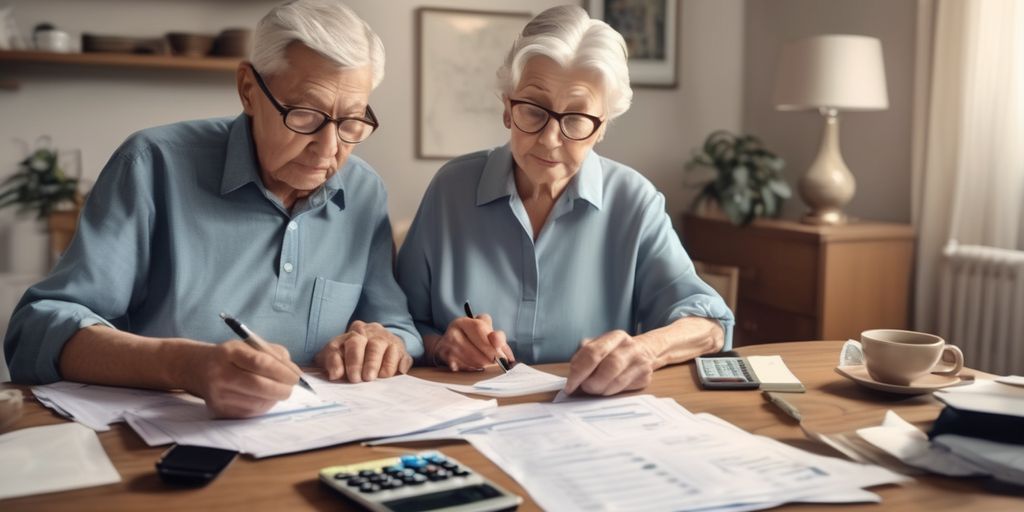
[(569, 36), (327, 27)]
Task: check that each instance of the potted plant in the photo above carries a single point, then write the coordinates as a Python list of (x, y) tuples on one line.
[(745, 181), (42, 185)]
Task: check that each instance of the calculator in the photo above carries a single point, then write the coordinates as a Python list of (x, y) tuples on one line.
[(422, 481), (725, 373)]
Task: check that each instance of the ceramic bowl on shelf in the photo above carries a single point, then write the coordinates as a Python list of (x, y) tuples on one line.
[(189, 44), (233, 42)]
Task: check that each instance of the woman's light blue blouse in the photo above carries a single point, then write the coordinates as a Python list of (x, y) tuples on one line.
[(607, 258)]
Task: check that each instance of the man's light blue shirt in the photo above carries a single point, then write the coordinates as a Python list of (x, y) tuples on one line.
[(179, 227), (607, 258)]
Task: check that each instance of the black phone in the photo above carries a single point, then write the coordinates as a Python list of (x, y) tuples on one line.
[(193, 465)]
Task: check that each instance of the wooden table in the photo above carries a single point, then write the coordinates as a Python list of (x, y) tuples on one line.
[(831, 404)]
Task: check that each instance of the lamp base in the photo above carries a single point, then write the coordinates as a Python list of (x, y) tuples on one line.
[(825, 218), (827, 185)]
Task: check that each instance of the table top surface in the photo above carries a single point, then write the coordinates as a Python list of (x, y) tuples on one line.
[(831, 404)]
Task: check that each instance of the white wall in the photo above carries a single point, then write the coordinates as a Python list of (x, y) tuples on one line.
[(94, 109), (875, 145)]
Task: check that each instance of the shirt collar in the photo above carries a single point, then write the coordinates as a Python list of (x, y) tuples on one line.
[(241, 166), (496, 180)]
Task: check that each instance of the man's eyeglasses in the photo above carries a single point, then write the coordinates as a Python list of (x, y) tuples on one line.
[(532, 118), (308, 121)]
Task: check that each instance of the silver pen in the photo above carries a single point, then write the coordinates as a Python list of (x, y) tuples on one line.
[(255, 341), (783, 404)]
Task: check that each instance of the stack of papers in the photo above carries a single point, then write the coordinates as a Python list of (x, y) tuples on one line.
[(52, 458), (338, 413), (645, 453)]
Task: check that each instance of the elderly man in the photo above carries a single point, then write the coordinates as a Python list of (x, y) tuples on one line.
[(267, 216)]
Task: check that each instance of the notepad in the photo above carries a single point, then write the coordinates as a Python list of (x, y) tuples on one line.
[(774, 375), (52, 458)]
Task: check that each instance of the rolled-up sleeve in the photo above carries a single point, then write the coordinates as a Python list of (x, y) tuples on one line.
[(667, 285), (98, 278), (383, 300)]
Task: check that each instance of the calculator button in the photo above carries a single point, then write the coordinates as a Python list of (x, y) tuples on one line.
[(450, 466), (378, 478), (439, 475), (407, 472), (415, 480), (429, 469), (367, 473), (460, 472), (393, 470), (343, 476), (369, 488), (412, 461), (395, 484), (436, 459), (356, 481)]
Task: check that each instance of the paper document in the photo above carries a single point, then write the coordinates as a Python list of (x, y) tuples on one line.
[(911, 446), (337, 413), (985, 396), (643, 453), (774, 375), (1003, 461), (52, 458), (521, 380)]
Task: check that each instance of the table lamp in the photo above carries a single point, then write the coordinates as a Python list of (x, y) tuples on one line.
[(830, 73)]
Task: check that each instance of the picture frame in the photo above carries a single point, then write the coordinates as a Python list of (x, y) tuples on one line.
[(458, 109), (651, 31)]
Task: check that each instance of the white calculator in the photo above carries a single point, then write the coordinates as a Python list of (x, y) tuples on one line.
[(726, 373), (422, 481)]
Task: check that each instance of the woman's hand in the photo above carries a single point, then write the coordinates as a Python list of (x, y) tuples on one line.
[(609, 364), (365, 352), (471, 344)]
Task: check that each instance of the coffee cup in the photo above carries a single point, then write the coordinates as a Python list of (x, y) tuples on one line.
[(898, 357)]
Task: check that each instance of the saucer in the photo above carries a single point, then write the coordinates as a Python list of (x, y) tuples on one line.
[(923, 384)]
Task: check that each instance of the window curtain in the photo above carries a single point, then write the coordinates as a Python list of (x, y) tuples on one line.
[(968, 154)]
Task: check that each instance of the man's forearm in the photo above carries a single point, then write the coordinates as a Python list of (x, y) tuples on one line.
[(683, 340), (100, 355)]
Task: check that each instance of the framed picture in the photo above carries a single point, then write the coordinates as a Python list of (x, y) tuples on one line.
[(650, 28), (458, 109)]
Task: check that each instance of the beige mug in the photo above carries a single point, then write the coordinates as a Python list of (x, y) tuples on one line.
[(898, 357)]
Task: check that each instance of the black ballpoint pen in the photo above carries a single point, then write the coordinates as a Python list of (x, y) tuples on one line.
[(255, 341), (502, 362)]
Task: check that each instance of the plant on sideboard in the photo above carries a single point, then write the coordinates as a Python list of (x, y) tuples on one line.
[(745, 181), (40, 185)]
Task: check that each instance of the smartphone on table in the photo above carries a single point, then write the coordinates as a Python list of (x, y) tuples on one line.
[(193, 465)]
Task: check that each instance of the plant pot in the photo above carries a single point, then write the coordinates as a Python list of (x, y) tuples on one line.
[(708, 208), (26, 247)]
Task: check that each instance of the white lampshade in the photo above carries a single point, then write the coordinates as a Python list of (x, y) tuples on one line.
[(842, 72)]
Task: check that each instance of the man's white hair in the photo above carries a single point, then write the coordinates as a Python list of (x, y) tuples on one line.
[(569, 36), (327, 27)]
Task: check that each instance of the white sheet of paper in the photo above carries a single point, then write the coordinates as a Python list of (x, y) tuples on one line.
[(521, 380), (52, 458), (985, 396), (907, 443)]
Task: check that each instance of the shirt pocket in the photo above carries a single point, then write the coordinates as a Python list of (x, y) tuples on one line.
[(330, 311)]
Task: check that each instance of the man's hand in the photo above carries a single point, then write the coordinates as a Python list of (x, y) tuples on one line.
[(365, 352), (471, 344), (609, 364), (238, 381)]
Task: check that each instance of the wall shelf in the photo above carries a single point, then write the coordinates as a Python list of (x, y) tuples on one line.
[(120, 60)]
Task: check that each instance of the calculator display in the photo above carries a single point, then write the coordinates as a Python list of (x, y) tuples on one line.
[(449, 498)]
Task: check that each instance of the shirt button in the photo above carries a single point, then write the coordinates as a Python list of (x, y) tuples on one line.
[(292, 226), (288, 267)]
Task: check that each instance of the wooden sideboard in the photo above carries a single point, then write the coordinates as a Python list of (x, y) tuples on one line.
[(804, 282)]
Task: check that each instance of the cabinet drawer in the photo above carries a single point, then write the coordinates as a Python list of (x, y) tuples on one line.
[(773, 270), (760, 323)]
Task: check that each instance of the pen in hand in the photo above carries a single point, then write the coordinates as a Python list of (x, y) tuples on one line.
[(255, 341), (502, 362)]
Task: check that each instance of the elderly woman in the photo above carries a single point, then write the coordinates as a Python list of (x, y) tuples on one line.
[(267, 215), (567, 255)]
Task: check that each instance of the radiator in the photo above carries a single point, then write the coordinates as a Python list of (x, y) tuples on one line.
[(981, 306)]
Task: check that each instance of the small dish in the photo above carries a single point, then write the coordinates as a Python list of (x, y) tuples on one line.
[(923, 384)]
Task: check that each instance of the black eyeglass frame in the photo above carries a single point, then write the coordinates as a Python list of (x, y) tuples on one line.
[(557, 117), (284, 110)]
